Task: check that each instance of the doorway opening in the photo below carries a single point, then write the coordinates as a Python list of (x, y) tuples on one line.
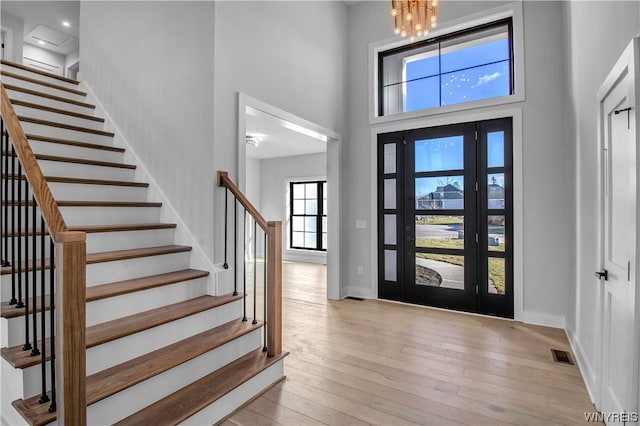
[(310, 144), (445, 216)]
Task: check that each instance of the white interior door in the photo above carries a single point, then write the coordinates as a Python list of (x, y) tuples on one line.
[(619, 379)]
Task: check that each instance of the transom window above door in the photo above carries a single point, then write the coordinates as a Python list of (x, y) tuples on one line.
[(461, 67)]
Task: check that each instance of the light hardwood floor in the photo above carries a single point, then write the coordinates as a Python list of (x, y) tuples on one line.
[(376, 362)]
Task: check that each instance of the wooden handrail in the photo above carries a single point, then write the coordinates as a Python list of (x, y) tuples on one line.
[(224, 180), (70, 278), (273, 229), (31, 169)]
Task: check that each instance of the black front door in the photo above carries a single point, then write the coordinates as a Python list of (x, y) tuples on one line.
[(445, 217)]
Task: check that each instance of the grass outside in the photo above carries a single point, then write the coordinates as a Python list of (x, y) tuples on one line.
[(496, 265), (439, 220)]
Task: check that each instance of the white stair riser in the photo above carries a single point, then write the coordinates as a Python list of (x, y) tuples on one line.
[(60, 133), (237, 397), (41, 88), (86, 216), (61, 150), (103, 241), (109, 309), (83, 171), (79, 216), (86, 192), (128, 304), (106, 272), (145, 393), (39, 77), (11, 387), (57, 117), (118, 351), (21, 96)]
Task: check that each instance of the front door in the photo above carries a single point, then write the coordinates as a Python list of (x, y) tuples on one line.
[(618, 242), (445, 217)]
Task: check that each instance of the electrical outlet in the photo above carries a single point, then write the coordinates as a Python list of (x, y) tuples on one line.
[(360, 270)]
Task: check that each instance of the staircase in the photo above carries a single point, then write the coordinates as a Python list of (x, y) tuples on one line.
[(160, 348)]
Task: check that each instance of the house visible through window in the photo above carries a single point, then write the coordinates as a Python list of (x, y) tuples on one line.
[(462, 67), (308, 215)]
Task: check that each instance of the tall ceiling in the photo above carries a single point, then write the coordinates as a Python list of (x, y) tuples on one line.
[(43, 19)]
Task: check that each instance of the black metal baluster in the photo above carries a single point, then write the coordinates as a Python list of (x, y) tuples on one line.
[(226, 196), (34, 276), (13, 301), (52, 326), (255, 270), (24, 232), (244, 269), (4, 160), (235, 247), (264, 279), (19, 303), (43, 327)]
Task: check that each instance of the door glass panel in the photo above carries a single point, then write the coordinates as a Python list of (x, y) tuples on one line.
[(495, 226), (440, 193), (495, 191), (496, 276), (495, 149), (390, 265), (440, 231), (440, 270), (390, 158), (434, 155), (390, 229), (389, 193)]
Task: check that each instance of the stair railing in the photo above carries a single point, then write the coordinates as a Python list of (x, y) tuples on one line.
[(272, 268), (24, 187)]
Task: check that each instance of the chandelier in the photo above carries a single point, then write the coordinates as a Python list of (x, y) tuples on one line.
[(414, 17)]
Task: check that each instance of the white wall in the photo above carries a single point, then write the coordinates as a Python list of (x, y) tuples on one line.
[(253, 188), (547, 159), (291, 55), (151, 66), (38, 54), (592, 54), (16, 25), (276, 172)]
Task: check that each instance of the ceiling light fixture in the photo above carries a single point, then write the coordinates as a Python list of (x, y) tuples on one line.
[(253, 140), (414, 17), (66, 24), (41, 42)]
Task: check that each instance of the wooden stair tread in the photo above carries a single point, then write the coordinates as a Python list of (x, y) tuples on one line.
[(78, 144), (73, 203), (24, 119), (112, 380), (48, 96), (61, 179), (187, 401), (42, 83), (117, 288), (95, 229), (125, 326), (56, 110), (111, 256), (74, 160), (37, 71)]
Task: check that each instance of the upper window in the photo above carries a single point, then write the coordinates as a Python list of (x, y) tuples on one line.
[(466, 66), (308, 215)]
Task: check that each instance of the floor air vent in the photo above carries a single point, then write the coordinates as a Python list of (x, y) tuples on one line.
[(562, 357), (359, 299)]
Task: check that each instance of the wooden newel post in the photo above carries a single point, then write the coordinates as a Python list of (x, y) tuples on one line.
[(274, 289), (70, 297)]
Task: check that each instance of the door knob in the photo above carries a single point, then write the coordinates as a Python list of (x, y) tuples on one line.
[(604, 274)]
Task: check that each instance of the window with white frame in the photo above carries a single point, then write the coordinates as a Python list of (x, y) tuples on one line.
[(459, 67)]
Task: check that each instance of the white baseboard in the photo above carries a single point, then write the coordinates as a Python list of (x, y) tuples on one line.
[(587, 372)]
